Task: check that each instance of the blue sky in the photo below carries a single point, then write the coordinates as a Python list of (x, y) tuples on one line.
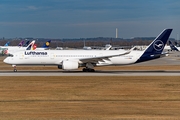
[(88, 18)]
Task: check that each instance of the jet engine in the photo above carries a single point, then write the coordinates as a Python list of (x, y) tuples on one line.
[(70, 65)]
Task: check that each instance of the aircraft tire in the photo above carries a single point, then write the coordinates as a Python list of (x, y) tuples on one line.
[(91, 70), (85, 70), (88, 70)]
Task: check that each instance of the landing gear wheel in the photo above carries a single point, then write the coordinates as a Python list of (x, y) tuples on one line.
[(85, 70), (88, 70), (14, 66), (92, 70)]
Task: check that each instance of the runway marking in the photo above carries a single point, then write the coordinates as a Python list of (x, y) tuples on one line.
[(97, 73)]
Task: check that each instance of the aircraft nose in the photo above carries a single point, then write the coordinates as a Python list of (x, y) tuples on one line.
[(6, 60)]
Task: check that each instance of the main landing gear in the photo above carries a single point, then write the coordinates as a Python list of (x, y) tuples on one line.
[(88, 70)]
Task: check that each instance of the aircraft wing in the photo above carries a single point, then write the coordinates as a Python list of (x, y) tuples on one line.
[(101, 58)]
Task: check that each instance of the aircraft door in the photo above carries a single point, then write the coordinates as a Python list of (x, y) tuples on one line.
[(52, 55), (21, 56)]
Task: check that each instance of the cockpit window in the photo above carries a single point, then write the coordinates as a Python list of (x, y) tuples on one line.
[(10, 55)]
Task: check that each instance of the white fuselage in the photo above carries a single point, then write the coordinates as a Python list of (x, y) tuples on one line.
[(55, 57)]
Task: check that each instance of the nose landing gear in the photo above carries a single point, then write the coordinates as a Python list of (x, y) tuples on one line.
[(14, 66)]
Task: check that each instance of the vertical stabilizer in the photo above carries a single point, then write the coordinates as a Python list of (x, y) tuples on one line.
[(46, 45), (155, 49), (30, 46)]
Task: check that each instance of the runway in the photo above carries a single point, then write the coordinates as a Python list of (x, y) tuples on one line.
[(97, 73)]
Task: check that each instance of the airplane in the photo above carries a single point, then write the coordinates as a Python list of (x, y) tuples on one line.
[(12, 49), (176, 44), (44, 47), (6, 47), (7, 44), (7, 50), (173, 47), (73, 59), (34, 46), (86, 47), (3, 49)]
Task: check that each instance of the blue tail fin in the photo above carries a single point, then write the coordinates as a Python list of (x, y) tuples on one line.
[(30, 46), (172, 46), (46, 45), (156, 47), (26, 44)]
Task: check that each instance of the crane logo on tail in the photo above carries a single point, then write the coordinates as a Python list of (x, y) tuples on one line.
[(158, 45), (47, 43)]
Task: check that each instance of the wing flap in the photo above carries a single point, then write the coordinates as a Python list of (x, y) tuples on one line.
[(101, 58)]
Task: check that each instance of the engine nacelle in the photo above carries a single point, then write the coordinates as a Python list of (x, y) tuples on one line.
[(70, 65)]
